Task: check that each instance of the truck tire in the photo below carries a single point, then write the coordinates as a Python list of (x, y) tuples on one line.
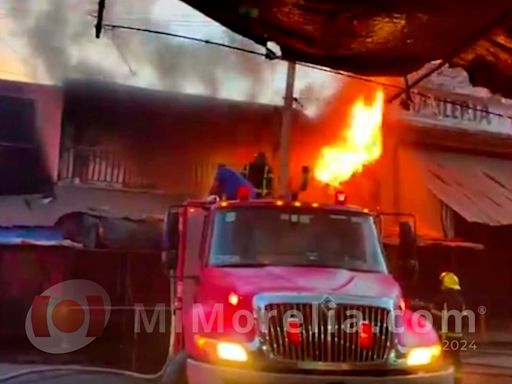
[(176, 370)]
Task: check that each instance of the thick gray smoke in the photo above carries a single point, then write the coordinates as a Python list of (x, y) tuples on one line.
[(55, 30), (60, 34), (179, 64), (50, 46)]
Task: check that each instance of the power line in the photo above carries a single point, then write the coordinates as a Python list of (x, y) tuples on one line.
[(185, 37), (398, 87), (245, 50), (350, 75), (168, 20), (122, 55), (271, 55)]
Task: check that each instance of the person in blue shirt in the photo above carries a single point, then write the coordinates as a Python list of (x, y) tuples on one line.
[(228, 182)]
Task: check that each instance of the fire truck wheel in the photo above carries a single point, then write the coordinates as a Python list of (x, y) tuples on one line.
[(176, 370)]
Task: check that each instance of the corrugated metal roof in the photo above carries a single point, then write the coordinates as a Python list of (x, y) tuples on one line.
[(377, 38), (478, 188)]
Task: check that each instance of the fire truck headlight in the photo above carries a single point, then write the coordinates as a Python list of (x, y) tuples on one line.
[(423, 355), (231, 352)]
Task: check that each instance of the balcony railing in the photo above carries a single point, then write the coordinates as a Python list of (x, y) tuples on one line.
[(108, 168), (99, 166)]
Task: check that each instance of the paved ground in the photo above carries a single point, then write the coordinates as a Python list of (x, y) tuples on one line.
[(61, 377), (488, 364), (485, 379)]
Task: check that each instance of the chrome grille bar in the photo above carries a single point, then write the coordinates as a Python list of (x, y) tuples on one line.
[(329, 340)]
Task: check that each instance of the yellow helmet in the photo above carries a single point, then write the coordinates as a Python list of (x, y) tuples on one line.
[(449, 280)]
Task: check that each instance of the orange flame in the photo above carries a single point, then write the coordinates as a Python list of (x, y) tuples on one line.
[(360, 146)]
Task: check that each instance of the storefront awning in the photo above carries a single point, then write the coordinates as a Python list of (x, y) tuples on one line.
[(478, 188)]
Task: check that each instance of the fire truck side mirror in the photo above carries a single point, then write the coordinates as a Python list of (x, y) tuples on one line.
[(407, 240), (407, 250), (170, 239), (170, 260)]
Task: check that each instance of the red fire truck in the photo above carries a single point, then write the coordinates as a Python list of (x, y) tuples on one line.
[(275, 291)]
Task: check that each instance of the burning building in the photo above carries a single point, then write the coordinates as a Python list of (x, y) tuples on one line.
[(121, 151), (175, 140), (444, 157)]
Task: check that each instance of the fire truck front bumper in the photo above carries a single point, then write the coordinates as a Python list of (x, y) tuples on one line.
[(203, 373)]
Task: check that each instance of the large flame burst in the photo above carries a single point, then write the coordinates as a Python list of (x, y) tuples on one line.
[(360, 145)]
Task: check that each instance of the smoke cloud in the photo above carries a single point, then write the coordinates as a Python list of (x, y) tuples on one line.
[(51, 47), (59, 35), (55, 33), (178, 65)]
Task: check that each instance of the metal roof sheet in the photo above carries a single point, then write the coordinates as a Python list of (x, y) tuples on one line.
[(112, 203), (478, 188), (41, 243), (40, 236), (30, 233), (377, 38)]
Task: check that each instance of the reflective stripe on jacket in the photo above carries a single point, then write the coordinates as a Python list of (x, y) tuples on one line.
[(263, 184)]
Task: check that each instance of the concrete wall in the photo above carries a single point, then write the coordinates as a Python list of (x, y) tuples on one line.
[(29, 210)]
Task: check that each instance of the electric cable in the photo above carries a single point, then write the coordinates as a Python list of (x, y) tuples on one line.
[(272, 56)]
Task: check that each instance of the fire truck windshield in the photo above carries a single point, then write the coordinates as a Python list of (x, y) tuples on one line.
[(265, 236)]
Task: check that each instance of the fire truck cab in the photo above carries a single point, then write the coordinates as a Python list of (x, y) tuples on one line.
[(274, 291)]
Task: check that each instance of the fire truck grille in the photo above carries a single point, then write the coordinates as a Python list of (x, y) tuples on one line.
[(327, 336)]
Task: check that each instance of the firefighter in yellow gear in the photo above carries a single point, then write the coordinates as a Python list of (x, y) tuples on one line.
[(260, 175), (449, 304)]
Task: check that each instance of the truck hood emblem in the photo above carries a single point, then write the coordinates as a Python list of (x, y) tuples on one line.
[(327, 304)]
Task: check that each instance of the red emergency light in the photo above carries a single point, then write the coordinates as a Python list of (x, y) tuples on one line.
[(365, 335), (243, 193), (340, 197), (293, 331)]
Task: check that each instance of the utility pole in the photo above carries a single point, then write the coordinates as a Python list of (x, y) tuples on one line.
[(99, 21), (286, 123)]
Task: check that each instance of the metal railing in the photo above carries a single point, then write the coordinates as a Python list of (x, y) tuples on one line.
[(89, 165), (108, 168)]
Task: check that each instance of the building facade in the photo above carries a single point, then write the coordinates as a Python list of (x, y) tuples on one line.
[(447, 161)]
